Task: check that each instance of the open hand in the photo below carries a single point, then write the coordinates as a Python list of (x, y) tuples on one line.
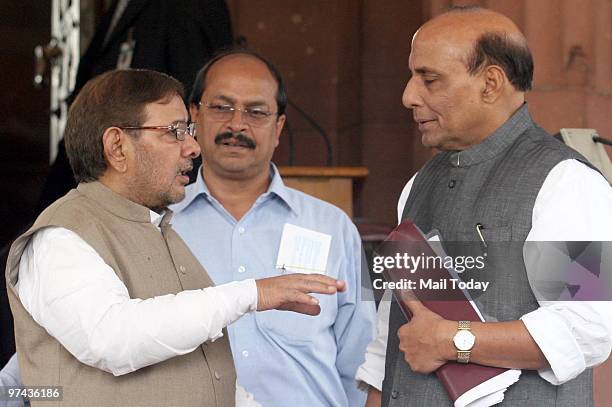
[(290, 292)]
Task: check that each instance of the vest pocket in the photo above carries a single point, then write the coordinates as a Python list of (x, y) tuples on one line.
[(490, 233), (497, 234)]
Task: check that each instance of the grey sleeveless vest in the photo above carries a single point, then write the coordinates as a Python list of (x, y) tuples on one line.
[(495, 184)]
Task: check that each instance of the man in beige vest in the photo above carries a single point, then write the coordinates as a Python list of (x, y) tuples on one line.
[(109, 303)]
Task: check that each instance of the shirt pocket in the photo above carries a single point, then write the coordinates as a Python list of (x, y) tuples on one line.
[(294, 327)]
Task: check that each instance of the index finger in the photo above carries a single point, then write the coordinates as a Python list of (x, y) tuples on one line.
[(316, 283)]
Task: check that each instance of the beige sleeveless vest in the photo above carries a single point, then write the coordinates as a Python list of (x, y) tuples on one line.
[(149, 263)]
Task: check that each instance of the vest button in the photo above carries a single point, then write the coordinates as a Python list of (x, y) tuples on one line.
[(394, 394), (217, 376), (451, 183), (182, 269)]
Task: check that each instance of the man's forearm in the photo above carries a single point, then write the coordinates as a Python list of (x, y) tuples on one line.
[(500, 344), (374, 398)]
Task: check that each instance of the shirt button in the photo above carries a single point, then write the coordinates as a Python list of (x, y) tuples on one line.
[(241, 269), (217, 375), (182, 269), (451, 183), (394, 394), (245, 353), (241, 230)]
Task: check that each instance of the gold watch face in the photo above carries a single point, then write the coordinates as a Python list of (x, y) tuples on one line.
[(464, 340)]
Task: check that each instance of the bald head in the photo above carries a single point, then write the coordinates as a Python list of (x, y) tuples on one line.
[(472, 22), (482, 37), (470, 70), (239, 54)]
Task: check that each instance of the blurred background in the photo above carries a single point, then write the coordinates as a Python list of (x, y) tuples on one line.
[(344, 63)]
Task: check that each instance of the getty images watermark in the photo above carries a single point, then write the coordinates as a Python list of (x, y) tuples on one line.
[(552, 271), (413, 264)]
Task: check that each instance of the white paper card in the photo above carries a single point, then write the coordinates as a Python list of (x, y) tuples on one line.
[(303, 250)]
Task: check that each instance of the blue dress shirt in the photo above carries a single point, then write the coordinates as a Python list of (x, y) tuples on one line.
[(285, 358), (11, 377)]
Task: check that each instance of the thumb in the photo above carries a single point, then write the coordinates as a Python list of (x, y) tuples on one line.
[(414, 305)]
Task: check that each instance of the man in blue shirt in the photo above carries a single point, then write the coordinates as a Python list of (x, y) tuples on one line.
[(233, 217)]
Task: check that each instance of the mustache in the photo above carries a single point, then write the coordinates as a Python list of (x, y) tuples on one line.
[(186, 167), (239, 137)]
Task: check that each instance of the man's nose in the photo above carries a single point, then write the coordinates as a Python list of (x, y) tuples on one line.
[(411, 97), (190, 147), (237, 123)]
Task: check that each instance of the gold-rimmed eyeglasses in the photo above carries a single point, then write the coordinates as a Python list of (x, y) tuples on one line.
[(180, 130), (253, 116)]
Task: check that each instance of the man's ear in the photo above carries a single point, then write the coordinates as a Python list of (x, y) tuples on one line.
[(495, 82), (115, 145), (280, 122)]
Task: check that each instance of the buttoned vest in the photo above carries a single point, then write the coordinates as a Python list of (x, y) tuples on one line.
[(150, 264), (493, 184)]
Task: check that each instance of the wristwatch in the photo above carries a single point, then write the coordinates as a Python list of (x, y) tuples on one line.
[(464, 341)]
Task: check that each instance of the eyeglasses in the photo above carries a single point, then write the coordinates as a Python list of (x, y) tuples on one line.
[(255, 117), (180, 130)]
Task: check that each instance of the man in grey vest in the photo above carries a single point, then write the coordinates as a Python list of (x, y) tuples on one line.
[(498, 178), (109, 303)]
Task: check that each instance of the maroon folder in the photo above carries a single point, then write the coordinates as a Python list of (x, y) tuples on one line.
[(456, 378)]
